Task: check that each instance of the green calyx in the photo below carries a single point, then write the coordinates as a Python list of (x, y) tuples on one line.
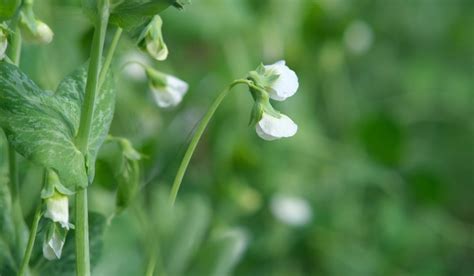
[(263, 77), (262, 104), (53, 185), (155, 77)]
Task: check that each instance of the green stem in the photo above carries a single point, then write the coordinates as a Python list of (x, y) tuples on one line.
[(19, 222), (31, 241), (109, 57), (196, 137), (82, 139), (150, 268)]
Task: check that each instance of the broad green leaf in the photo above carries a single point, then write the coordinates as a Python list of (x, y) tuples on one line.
[(6, 223), (72, 88), (8, 8), (7, 229), (7, 262), (41, 125), (135, 15)]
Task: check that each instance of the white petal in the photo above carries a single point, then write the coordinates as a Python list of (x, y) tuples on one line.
[(287, 83), (166, 96), (52, 249), (271, 128), (291, 210), (132, 68), (57, 209), (176, 84)]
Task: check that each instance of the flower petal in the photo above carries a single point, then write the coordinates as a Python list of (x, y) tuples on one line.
[(271, 128), (57, 209), (286, 84), (166, 97), (176, 84)]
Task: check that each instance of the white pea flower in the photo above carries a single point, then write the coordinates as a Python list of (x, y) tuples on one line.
[(54, 242), (57, 209), (291, 210), (271, 128), (132, 63), (285, 85), (168, 91), (152, 40)]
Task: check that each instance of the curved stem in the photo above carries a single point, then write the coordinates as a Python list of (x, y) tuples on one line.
[(31, 241), (109, 57), (82, 140), (197, 136)]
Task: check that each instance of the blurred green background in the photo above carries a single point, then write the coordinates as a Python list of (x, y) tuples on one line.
[(377, 181)]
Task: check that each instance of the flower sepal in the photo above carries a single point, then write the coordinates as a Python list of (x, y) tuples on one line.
[(277, 79), (54, 240)]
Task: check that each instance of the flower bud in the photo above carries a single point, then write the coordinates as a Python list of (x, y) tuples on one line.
[(45, 34), (36, 31), (57, 209), (168, 91), (277, 79), (3, 43), (151, 39), (54, 241), (128, 180)]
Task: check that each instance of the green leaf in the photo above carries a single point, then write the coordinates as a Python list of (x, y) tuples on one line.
[(221, 254), (41, 125), (187, 236), (134, 14), (8, 8), (7, 228)]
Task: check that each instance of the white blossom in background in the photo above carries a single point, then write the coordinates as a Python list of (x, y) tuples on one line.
[(57, 209), (285, 85), (3, 43), (358, 37), (291, 210), (53, 246), (271, 128), (167, 90), (171, 94), (131, 64)]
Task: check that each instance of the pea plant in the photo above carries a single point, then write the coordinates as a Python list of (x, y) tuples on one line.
[(63, 131)]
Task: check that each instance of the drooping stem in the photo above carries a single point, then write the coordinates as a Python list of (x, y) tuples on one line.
[(109, 57), (82, 140), (196, 137), (31, 241)]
